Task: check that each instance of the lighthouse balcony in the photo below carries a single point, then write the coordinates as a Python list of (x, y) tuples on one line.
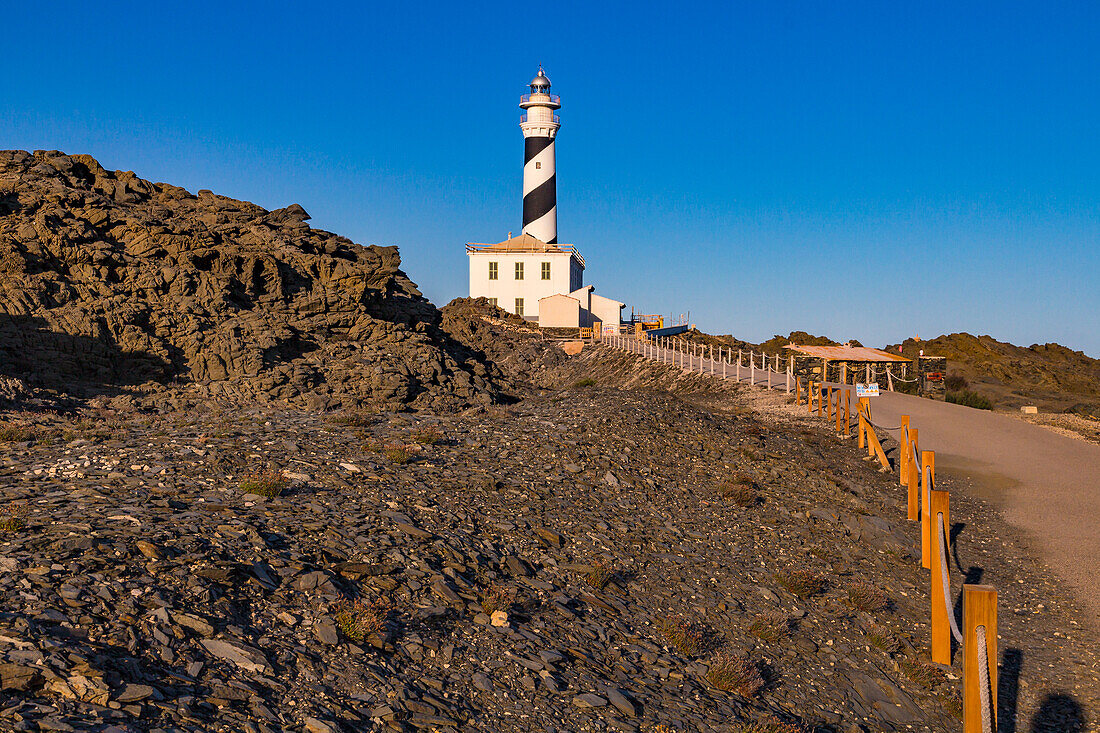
[(551, 118), (539, 100)]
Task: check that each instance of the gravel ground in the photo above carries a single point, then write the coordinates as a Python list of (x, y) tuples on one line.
[(637, 552)]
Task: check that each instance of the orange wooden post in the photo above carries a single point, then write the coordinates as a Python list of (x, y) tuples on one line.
[(847, 412), (839, 412), (862, 428), (928, 468), (979, 610), (903, 474), (809, 395), (818, 389), (829, 409), (941, 626), (797, 392), (914, 487)]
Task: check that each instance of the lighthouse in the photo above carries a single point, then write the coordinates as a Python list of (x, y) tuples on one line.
[(540, 127)]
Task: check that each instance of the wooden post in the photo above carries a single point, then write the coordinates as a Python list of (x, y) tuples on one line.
[(839, 415), (844, 372), (903, 460), (914, 488), (847, 411), (860, 405), (941, 626), (797, 391), (927, 461), (979, 609), (817, 394), (889, 379)]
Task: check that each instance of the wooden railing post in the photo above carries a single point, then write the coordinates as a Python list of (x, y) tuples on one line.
[(903, 462), (818, 389), (847, 411), (860, 405), (839, 416), (941, 626), (927, 470), (979, 609), (914, 488)]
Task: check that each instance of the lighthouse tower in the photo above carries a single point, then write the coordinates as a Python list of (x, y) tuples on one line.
[(540, 127)]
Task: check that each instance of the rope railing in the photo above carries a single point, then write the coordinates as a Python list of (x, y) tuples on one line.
[(946, 580), (984, 691)]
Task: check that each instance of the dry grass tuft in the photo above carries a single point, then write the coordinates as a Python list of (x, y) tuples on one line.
[(803, 582), (354, 419), (769, 724), (16, 433), (882, 638), (270, 483), (11, 518), (867, 597), (686, 637), (428, 436), (359, 620), (923, 673), (734, 673), (396, 453), (599, 576), (496, 598), (770, 626)]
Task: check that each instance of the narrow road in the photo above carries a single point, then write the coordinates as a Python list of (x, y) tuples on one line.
[(1044, 483)]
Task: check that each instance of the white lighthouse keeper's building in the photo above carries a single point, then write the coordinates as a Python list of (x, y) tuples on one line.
[(532, 275)]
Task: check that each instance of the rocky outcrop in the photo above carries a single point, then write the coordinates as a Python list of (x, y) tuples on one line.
[(111, 284)]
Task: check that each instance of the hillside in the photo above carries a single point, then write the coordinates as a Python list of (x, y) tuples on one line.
[(114, 286), (1051, 376)]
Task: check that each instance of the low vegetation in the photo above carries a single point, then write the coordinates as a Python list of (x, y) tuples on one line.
[(496, 598), (396, 453), (270, 483), (586, 382), (803, 582), (770, 626), (769, 724), (969, 399), (686, 637), (867, 597), (733, 673), (11, 518), (427, 436), (359, 620), (599, 576), (923, 673)]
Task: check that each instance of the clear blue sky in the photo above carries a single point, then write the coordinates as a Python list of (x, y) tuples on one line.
[(864, 170)]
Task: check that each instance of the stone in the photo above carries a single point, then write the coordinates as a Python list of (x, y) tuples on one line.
[(498, 618), (589, 700), (247, 658)]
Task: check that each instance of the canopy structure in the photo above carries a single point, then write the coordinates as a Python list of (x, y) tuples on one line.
[(848, 353)]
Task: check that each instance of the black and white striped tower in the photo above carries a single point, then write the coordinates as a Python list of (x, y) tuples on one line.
[(540, 127)]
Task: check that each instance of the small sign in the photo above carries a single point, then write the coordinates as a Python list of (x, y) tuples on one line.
[(867, 390)]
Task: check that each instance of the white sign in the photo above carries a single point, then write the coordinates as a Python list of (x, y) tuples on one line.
[(867, 390)]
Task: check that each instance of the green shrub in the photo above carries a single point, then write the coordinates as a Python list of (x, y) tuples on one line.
[(733, 673), (686, 637), (359, 620), (955, 382), (802, 582), (770, 626), (586, 382), (969, 399)]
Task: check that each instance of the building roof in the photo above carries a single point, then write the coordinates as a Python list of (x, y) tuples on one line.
[(846, 353), (559, 295), (523, 244)]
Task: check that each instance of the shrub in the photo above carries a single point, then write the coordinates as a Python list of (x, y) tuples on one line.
[(882, 638), (428, 436), (769, 724), (11, 518), (867, 597), (14, 433), (803, 582), (686, 637), (359, 620), (269, 483), (734, 673), (741, 494), (955, 382), (496, 598), (586, 382), (969, 399), (770, 626), (396, 453), (923, 673), (599, 576), (354, 419)]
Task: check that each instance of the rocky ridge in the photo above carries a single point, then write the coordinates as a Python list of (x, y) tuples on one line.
[(117, 286)]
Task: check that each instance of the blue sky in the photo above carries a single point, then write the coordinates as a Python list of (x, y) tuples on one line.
[(864, 170)]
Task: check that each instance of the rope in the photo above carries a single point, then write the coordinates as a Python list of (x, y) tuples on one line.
[(983, 681), (899, 379), (946, 582)]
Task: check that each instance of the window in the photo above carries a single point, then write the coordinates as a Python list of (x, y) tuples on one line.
[(492, 301), (545, 270), (519, 306), (519, 270), (492, 271), (538, 165)]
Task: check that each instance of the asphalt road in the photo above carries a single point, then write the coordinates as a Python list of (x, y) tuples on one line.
[(1046, 484)]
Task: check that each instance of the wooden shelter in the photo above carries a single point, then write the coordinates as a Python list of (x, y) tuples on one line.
[(846, 364)]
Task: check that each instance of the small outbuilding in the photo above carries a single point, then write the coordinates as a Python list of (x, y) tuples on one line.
[(846, 364)]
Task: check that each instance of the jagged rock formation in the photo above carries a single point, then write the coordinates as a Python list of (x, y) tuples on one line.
[(111, 284)]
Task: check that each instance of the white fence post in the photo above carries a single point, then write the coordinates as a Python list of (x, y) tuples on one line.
[(752, 369)]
